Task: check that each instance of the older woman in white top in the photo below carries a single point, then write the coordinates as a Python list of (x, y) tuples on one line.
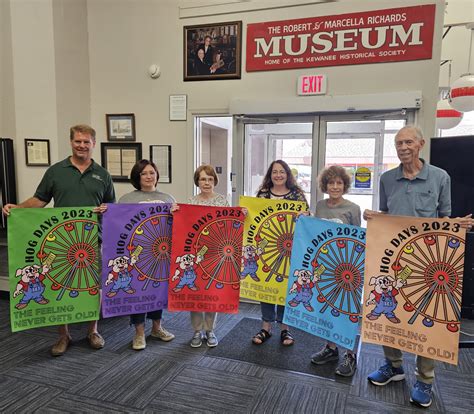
[(205, 178)]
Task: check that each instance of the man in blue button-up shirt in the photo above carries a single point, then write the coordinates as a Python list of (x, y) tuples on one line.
[(414, 188)]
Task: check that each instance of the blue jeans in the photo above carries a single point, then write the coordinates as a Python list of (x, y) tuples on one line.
[(139, 318), (271, 312)]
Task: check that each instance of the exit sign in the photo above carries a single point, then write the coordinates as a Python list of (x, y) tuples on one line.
[(312, 85)]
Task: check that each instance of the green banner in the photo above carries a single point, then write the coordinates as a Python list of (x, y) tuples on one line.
[(53, 266)]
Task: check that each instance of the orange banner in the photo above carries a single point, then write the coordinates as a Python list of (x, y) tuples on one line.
[(413, 285)]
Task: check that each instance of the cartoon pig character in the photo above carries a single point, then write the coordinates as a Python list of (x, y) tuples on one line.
[(31, 285), (187, 265), (250, 256), (383, 297), (303, 287), (120, 275)]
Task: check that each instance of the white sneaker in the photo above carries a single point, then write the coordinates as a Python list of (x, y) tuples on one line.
[(162, 334), (196, 342), (139, 342), (211, 339)]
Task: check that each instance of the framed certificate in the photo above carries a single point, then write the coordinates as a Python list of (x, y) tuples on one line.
[(37, 152), (119, 158), (161, 156), (178, 107)]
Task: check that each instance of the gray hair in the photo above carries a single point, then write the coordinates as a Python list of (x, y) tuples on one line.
[(412, 128)]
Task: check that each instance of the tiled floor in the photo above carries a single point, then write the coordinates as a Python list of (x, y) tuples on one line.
[(173, 377)]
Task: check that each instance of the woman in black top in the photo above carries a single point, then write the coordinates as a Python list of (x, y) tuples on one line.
[(278, 183)]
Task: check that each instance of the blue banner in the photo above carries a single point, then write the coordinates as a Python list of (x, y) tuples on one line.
[(326, 279)]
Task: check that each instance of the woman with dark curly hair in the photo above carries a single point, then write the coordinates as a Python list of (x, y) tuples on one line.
[(278, 183), (335, 181)]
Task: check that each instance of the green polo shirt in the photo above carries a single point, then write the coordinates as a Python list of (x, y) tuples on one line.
[(64, 183)]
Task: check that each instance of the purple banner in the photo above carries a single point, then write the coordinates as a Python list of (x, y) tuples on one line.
[(136, 254)]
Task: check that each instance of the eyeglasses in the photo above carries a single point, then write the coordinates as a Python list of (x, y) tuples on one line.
[(206, 180)]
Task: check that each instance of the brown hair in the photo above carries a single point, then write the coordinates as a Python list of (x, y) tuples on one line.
[(332, 172), (290, 178), (83, 129), (137, 170), (209, 170)]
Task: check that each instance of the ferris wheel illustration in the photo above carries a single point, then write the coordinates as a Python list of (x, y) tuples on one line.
[(432, 265), (70, 250), (275, 234), (150, 243), (219, 244), (339, 264)]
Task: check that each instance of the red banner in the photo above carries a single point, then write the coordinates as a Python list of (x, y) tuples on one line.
[(390, 35), (206, 259)]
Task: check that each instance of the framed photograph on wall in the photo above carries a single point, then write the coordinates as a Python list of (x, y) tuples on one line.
[(120, 127), (212, 51), (37, 153), (161, 156), (119, 158)]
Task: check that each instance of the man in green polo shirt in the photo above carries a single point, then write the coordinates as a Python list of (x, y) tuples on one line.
[(77, 181)]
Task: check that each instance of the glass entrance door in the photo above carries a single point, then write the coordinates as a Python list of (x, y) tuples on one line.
[(365, 148), (213, 145), (362, 143), (290, 142)]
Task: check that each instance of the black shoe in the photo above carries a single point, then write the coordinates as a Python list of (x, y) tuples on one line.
[(348, 365), (325, 355)]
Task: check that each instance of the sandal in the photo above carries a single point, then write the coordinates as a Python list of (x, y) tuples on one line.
[(262, 336), (286, 336)]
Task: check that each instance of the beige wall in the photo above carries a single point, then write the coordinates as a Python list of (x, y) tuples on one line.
[(90, 57), (34, 83), (44, 80), (151, 32), (71, 50), (125, 37)]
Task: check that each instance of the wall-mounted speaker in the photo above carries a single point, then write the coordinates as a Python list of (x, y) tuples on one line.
[(7, 179), (455, 155)]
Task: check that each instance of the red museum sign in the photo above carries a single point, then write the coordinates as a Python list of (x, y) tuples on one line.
[(391, 35)]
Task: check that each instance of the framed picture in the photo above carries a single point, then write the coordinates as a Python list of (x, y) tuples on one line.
[(161, 156), (212, 51), (37, 152), (120, 127), (119, 158)]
